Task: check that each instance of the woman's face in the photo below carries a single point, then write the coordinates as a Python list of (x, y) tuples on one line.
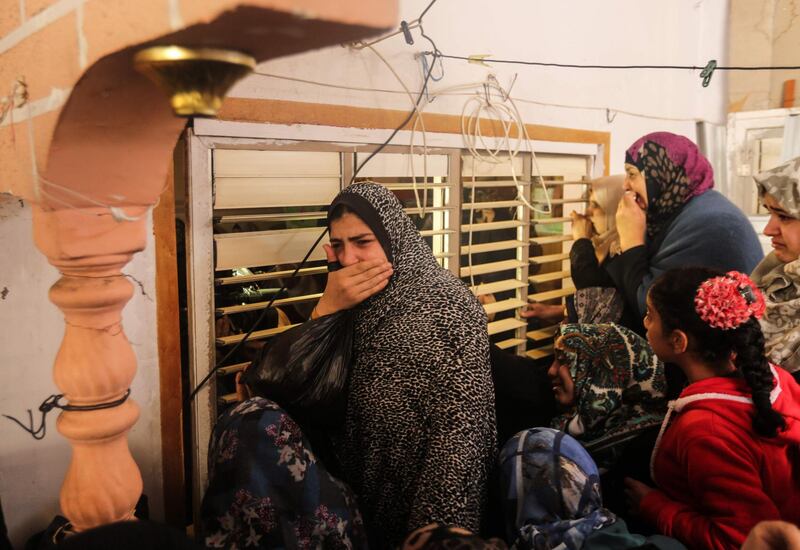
[(596, 214), (353, 241), (655, 333), (561, 380), (634, 181), (784, 231)]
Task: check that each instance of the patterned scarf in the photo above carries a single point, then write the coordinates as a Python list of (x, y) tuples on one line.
[(551, 491), (619, 382), (674, 171), (783, 184), (267, 490), (598, 304), (780, 282)]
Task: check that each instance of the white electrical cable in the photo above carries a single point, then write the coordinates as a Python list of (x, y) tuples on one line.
[(423, 205), (42, 187), (471, 223), (116, 211), (501, 109), (506, 149)]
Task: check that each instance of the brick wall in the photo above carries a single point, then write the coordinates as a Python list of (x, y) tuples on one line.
[(51, 43)]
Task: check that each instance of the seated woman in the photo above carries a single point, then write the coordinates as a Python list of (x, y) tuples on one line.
[(266, 488), (596, 244), (778, 275), (419, 437), (671, 217), (610, 387), (727, 456), (552, 497)]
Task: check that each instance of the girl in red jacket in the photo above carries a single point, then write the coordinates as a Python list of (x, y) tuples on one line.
[(728, 455)]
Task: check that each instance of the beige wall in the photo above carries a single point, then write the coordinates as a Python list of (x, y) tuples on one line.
[(786, 48), (764, 33)]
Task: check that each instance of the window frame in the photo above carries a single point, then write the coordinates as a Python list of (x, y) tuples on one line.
[(212, 134)]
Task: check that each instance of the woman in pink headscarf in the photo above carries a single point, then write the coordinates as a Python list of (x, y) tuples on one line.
[(670, 217)]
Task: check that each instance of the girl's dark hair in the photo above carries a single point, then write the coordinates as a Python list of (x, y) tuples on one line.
[(672, 295)]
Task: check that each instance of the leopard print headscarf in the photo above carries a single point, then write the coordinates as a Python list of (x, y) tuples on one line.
[(674, 170), (420, 426)]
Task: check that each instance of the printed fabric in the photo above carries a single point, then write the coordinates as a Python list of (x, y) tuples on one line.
[(780, 324), (620, 386), (551, 489), (267, 490), (608, 191), (597, 304), (782, 183)]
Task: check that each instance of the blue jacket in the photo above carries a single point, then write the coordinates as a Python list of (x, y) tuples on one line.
[(710, 231)]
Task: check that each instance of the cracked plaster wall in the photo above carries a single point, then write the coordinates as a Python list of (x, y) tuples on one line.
[(786, 48), (762, 32)]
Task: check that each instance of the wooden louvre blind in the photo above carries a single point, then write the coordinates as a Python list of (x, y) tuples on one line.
[(566, 184), (270, 206), (269, 209), (494, 243)]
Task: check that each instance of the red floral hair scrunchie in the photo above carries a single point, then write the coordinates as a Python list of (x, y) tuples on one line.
[(727, 301)]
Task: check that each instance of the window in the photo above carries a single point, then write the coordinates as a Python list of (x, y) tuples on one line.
[(269, 207), (255, 207)]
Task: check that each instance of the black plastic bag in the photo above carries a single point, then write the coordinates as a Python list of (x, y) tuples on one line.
[(305, 369)]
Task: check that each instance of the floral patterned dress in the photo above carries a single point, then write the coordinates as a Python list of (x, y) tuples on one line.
[(267, 489)]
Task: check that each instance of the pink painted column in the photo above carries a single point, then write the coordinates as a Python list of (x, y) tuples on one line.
[(95, 363), (111, 141)]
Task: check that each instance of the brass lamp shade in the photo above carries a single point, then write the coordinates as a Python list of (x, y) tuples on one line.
[(197, 79)]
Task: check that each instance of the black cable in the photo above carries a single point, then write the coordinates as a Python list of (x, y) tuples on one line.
[(239, 344), (257, 321), (53, 402), (578, 66), (402, 124), (421, 15)]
